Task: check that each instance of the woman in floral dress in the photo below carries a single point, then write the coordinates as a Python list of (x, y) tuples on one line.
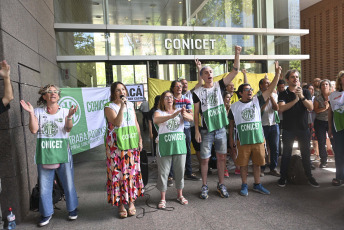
[(123, 146)]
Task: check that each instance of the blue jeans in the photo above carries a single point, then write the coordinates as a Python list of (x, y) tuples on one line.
[(46, 180), (218, 137), (272, 136), (321, 128), (338, 138), (288, 138)]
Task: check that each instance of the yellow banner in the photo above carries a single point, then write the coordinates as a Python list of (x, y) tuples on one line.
[(157, 86)]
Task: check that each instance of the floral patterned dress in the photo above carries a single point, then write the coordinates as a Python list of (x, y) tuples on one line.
[(124, 179)]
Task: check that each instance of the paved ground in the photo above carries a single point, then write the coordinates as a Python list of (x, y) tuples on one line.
[(292, 207)]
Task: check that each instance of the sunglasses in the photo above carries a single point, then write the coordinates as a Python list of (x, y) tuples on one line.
[(53, 91), (247, 89)]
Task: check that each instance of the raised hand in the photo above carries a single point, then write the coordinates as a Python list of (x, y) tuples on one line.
[(243, 71), (238, 49), (27, 106), (198, 64), (72, 111), (5, 70), (278, 68)]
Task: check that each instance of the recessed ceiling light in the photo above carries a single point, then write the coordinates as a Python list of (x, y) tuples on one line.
[(180, 2), (169, 19), (129, 0), (126, 18), (95, 3)]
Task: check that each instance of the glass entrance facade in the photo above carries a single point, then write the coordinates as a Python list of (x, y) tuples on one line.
[(100, 41)]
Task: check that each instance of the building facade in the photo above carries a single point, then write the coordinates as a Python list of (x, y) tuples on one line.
[(325, 41), (91, 43)]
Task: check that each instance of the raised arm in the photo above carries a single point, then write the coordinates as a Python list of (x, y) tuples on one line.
[(236, 66), (8, 91), (113, 117), (69, 120), (199, 78), (245, 76), (158, 118), (33, 121), (267, 93)]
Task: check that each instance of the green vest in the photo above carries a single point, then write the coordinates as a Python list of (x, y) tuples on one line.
[(248, 121), (337, 104), (213, 110), (127, 134), (171, 136), (52, 138)]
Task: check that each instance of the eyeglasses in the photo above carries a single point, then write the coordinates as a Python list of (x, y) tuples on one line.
[(53, 91), (178, 86), (168, 97), (247, 89)]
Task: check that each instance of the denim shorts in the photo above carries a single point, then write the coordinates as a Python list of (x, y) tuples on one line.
[(218, 137)]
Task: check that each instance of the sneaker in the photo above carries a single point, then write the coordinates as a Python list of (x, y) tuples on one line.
[(44, 221), (170, 182), (204, 192), (243, 191), (313, 182), (281, 182), (221, 188), (237, 172), (73, 215), (323, 165), (262, 174), (192, 177), (259, 188), (209, 171), (226, 173), (274, 172)]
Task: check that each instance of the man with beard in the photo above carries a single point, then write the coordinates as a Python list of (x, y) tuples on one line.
[(246, 114)]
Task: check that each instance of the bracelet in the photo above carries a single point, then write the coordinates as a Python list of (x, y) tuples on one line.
[(69, 118)]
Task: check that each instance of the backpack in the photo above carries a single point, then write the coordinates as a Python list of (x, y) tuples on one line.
[(296, 172), (58, 194)]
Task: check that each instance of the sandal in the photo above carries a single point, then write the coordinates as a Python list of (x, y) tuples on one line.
[(162, 204), (122, 213), (336, 182), (182, 200), (132, 210)]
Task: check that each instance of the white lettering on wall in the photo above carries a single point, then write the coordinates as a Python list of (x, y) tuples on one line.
[(187, 44)]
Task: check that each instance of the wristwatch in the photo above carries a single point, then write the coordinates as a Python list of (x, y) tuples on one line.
[(304, 98)]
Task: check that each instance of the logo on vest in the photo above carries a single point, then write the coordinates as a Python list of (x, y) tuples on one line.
[(212, 98), (49, 129), (127, 116), (173, 124), (247, 114)]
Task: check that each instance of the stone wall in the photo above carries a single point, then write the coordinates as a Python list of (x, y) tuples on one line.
[(27, 42)]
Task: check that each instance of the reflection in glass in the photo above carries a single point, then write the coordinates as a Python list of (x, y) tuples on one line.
[(79, 43), (184, 44), (79, 12), (83, 74)]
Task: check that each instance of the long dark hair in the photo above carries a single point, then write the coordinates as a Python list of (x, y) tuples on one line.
[(113, 89)]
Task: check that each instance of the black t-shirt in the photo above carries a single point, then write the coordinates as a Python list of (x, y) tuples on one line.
[(196, 99), (261, 103), (295, 118), (3, 108)]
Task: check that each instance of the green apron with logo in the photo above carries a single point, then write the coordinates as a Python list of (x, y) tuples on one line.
[(171, 136), (127, 134), (337, 104), (248, 121), (52, 139), (213, 110)]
